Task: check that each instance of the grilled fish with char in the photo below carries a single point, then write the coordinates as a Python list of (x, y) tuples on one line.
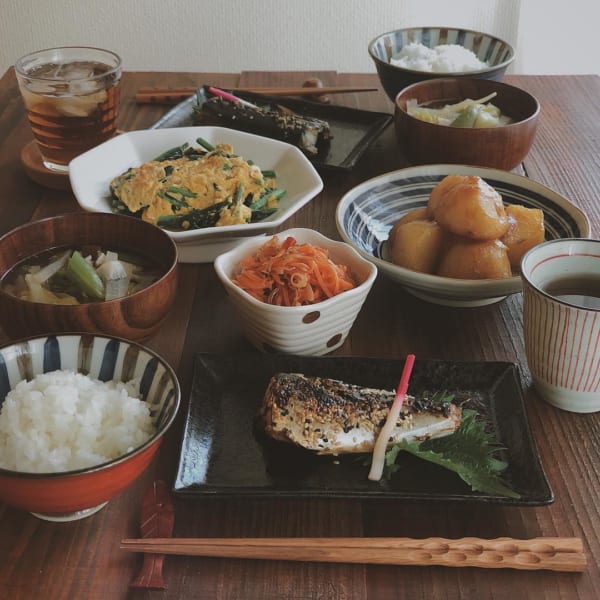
[(333, 417), (313, 136)]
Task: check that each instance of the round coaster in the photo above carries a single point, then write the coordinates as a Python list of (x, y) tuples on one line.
[(35, 169)]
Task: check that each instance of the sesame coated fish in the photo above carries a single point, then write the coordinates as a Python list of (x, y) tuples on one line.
[(333, 417)]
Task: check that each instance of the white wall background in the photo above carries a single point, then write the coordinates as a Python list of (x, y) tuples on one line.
[(550, 36)]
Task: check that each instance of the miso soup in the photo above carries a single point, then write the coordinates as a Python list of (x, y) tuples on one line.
[(78, 276)]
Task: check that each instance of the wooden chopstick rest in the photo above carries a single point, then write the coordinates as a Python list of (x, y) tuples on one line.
[(552, 553), (157, 519)]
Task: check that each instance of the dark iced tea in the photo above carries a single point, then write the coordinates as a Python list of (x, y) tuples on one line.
[(72, 105)]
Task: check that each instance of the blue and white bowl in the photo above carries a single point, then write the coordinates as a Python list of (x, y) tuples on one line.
[(366, 214), (71, 495), (497, 53)]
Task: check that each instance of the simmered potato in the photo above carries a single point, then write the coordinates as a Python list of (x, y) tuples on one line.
[(465, 232), (412, 215), (525, 230), (417, 245), (467, 206), (416, 214), (468, 259)]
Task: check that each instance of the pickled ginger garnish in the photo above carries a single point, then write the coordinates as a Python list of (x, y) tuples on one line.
[(231, 97), (381, 443)]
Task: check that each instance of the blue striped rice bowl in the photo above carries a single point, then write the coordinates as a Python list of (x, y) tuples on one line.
[(102, 358), (497, 53), (70, 495)]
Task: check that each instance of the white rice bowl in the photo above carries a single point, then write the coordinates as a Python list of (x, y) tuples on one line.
[(63, 421)]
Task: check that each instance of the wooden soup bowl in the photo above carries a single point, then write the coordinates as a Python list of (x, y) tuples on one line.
[(502, 147), (136, 317)]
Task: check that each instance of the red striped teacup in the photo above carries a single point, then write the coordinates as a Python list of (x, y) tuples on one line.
[(561, 319)]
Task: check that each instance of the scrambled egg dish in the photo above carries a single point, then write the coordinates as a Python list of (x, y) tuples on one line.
[(190, 188)]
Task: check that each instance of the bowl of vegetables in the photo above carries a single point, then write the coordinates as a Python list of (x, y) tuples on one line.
[(466, 121), (207, 187), (86, 272), (297, 292)]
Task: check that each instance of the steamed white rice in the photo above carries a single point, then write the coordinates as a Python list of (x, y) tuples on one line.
[(445, 58), (63, 420)]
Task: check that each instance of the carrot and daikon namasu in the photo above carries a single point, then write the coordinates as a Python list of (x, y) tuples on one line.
[(291, 274)]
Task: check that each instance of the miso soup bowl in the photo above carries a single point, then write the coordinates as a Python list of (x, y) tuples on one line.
[(502, 147), (135, 317), (72, 495), (313, 329)]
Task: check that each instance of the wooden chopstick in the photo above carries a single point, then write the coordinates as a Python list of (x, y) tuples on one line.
[(158, 95), (552, 553)]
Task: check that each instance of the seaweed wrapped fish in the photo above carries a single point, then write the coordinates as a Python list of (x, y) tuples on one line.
[(333, 417), (311, 135)]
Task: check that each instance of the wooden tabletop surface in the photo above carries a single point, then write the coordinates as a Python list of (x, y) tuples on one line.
[(82, 559)]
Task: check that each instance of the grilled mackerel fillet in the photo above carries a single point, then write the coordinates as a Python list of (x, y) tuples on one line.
[(333, 417)]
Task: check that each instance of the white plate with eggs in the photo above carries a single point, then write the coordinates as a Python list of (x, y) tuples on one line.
[(91, 174)]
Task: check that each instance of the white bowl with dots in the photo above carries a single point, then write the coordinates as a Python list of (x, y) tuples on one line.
[(314, 329)]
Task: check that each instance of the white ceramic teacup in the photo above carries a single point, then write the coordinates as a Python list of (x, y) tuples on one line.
[(561, 319)]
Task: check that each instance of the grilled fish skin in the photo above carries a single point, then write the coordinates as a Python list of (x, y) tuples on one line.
[(333, 417), (311, 135)]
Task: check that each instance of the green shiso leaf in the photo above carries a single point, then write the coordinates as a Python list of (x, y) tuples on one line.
[(469, 452)]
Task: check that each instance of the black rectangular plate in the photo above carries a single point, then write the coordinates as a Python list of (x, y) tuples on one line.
[(224, 455), (353, 130)]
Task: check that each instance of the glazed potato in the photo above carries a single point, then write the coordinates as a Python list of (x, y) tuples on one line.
[(525, 230), (465, 232), (468, 259), (416, 214), (467, 206), (412, 215), (417, 245)]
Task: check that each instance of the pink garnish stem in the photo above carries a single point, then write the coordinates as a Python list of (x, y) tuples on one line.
[(230, 97), (381, 443)]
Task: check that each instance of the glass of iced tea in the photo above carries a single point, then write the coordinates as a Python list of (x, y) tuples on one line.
[(72, 97)]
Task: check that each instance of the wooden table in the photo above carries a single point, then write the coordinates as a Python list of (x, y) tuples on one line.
[(82, 559)]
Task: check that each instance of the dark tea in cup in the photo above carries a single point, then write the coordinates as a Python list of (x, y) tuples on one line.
[(578, 289)]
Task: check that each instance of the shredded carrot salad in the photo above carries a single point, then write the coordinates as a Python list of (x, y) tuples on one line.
[(292, 274)]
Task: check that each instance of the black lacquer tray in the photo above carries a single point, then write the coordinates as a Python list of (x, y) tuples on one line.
[(224, 455), (353, 130)]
